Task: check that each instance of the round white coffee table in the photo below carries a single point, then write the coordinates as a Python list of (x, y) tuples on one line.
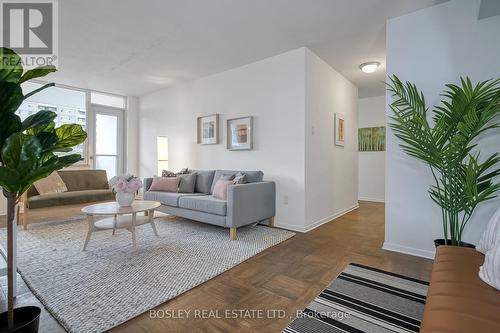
[(120, 217)]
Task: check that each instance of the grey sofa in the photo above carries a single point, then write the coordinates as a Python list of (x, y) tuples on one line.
[(246, 204)]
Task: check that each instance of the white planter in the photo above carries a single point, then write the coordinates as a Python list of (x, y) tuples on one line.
[(125, 199)]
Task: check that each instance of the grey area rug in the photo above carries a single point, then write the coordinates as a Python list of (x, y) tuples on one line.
[(365, 299), (111, 283)]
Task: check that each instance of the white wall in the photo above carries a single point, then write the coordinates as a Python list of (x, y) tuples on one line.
[(331, 171), (371, 172), (271, 90), (432, 47)]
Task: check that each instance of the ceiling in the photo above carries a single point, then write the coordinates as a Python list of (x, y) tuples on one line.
[(135, 47)]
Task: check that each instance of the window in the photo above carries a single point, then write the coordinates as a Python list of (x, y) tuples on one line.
[(63, 101), (162, 147), (114, 101)]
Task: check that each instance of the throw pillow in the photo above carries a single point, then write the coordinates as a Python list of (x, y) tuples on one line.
[(226, 177), (491, 234), (187, 183), (240, 178), (184, 171), (51, 184), (221, 187), (165, 184), (489, 272), (168, 173), (204, 180)]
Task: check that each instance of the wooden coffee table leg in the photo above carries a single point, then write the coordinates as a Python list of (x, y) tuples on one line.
[(152, 222), (90, 219), (114, 224), (132, 229)]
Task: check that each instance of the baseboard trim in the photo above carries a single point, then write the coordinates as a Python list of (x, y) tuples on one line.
[(371, 199), (408, 250), (288, 226), (316, 224), (327, 219)]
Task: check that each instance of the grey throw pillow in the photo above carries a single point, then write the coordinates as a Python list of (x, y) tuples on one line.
[(240, 178), (226, 177), (187, 183), (204, 179)]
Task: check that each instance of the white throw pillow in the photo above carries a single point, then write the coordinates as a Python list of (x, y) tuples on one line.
[(491, 234), (490, 271)]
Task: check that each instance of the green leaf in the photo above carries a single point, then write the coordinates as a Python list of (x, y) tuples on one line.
[(37, 72), (40, 119), (70, 135), (11, 67), (48, 140), (9, 179), (21, 152), (49, 127), (11, 97), (67, 160), (10, 123)]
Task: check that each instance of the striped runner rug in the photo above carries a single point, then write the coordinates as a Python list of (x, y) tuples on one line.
[(365, 299)]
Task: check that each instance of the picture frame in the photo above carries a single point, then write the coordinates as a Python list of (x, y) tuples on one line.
[(371, 139), (208, 129), (240, 133), (339, 129)]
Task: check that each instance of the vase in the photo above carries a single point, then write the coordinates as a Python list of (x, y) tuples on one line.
[(125, 199), (26, 320), (440, 242)]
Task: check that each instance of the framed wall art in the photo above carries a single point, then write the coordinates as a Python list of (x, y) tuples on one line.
[(371, 139), (339, 129), (208, 130), (240, 133)]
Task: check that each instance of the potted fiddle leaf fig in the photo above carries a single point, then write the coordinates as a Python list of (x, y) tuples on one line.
[(450, 144), (29, 150)]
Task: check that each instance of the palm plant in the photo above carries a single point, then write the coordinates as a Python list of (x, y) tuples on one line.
[(30, 149), (449, 144)]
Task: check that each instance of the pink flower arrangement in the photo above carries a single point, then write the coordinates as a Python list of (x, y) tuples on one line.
[(125, 183)]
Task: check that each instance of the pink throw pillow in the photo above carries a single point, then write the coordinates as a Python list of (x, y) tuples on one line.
[(165, 184), (220, 189)]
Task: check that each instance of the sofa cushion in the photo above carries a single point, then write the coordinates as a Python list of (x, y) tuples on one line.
[(69, 198), (166, 198), (204, 203), (187, 183), (204, 179), (250, 176), (80, 180)]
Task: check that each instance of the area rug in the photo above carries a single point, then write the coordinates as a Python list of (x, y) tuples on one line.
[(110, 283), (365, 299)]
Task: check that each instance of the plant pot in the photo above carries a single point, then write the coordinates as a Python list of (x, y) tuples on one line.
[(26, 320), (125, 199), (440, 241)]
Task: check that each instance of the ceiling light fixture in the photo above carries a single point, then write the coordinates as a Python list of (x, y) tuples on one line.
[(369, 67)]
